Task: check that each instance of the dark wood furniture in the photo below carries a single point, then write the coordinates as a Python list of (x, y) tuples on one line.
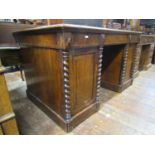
[(147, 43), (10, 58), (9, 48), (63, 66), (8, 124), (120, 54)]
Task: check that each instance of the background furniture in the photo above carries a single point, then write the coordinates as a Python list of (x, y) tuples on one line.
[(88, 22), (128, 24), (10, 50), (10, 58), (8, 124)]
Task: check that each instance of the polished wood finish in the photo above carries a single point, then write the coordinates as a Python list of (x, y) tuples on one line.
[(147, 43), (114, 37), (63, 67), (119, 65), (8, 124)]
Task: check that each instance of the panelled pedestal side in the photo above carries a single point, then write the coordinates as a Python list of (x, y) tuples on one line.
[(63, 71), (8, 124), (119, 61), (147, 47)]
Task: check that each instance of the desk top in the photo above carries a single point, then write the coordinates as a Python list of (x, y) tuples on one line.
[(75, 28)]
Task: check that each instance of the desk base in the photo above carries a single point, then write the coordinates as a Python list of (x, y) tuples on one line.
[(67, 126)]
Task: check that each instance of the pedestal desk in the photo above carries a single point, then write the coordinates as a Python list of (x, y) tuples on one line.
[(63, 67)]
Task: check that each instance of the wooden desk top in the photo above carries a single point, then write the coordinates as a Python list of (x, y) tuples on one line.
[(75, 28)]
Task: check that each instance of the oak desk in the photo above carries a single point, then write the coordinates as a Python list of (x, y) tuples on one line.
[(63, 65)]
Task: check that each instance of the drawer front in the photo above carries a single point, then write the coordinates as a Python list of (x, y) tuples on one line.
[(86, 40)]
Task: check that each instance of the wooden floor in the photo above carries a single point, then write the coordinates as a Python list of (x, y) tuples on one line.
[(131, 112)]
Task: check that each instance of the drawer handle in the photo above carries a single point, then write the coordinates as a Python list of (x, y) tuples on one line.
[(86, 36)]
